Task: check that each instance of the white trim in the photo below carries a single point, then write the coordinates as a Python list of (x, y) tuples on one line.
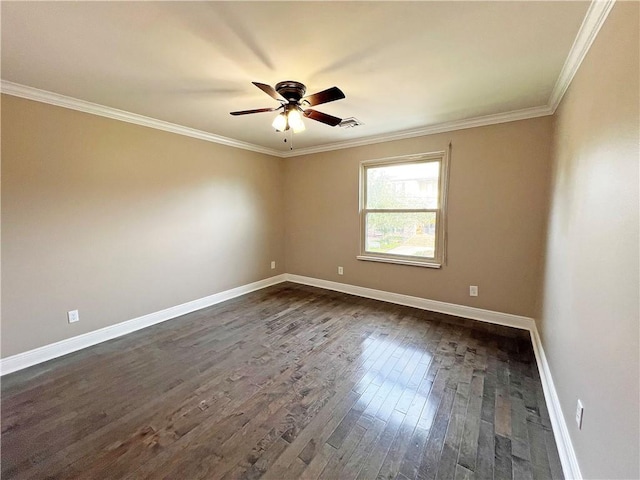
[(593, 20), (440, 213), (498, 318), (482, 121), (44, 96), (567, 454), (69, 345), (56, 99), (398, 261)]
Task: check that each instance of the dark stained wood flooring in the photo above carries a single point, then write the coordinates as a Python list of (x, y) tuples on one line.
[(287, 382)]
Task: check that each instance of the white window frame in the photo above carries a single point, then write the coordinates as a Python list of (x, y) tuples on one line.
[(441, 211)]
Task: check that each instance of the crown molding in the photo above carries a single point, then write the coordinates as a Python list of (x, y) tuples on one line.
[(51, 98), (38, 95), (593, 21), (430, 130)]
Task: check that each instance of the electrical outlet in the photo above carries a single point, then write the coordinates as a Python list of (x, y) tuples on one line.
[(473, 290), (73, 316), (340, 271), (579, 414), (273, 265)]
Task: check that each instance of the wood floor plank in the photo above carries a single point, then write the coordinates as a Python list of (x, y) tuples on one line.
[(340, 457), (502, 407), (413, 456), (287, 382), (485, 459), (433, 450), (401, 442), (450, 451), (356, 461), (371, 465), (469, 440), (463, 473), (552, 454), (503, 468), (318, 462), (312, 440), (521, 468)]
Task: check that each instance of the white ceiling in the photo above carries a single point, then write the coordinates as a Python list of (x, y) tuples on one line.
[(402, 65)]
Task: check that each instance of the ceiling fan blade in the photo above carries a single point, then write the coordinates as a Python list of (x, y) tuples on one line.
[(269, 90), (257, 110), (329, 95), (322, 117)]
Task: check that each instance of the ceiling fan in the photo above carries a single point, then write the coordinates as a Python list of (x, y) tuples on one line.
[(294, 104)]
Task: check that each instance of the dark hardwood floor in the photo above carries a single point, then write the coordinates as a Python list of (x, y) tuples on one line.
[(288, 382)]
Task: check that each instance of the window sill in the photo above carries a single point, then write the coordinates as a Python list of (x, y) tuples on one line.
[(399, 261)]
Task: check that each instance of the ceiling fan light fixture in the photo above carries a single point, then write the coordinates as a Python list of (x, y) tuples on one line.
[(290, 94), (295, 120), (280, 122)]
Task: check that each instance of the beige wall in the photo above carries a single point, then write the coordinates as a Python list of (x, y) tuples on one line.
[(119, 220), (497, 207), (591, 318)]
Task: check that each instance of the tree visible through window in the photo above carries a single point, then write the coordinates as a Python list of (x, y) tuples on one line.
[(401, 208)]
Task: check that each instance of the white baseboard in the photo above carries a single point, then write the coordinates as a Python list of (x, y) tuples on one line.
[(69, 345), (506, 319), (566, 452), (565, 448), (568, 458)]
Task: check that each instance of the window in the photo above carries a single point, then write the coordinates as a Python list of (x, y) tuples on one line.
[(402, 209)]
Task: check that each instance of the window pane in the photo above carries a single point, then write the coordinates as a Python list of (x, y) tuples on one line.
[(401, 233), (409, 185)]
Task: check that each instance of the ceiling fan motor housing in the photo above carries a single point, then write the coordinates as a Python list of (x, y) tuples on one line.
[(291, 90), (291, 95)]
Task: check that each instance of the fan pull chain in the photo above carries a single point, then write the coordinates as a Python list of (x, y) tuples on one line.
[(290, 138)]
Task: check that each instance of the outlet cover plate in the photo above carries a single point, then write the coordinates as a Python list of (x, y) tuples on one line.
[(73, 316), (579, 414)]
